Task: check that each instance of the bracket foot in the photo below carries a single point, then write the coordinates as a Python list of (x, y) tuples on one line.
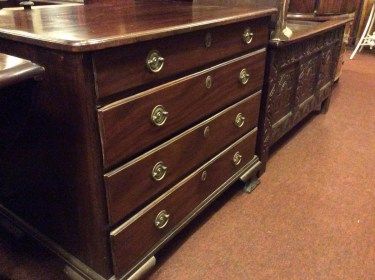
[(72, 274), (143, 270), (251, 185)]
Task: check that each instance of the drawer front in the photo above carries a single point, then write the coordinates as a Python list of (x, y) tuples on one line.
[(140, 180), (123, 68), (146, 230), (133, 125)]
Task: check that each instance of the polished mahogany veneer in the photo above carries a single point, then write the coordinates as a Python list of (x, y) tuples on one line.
[(192, 191), (148, 110), (302, 6), (132, 184), (180, 53), (14, 70), (103, 25), (186, 100)]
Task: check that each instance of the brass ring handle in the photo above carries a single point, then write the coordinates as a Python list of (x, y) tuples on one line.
[(208, 82), (240, 120), (159, 171), (247, 36), (208, 40), (206, 132), (162, 219), (244, 76), (204, 176), (159, 115), (154, 61), (237, 158)]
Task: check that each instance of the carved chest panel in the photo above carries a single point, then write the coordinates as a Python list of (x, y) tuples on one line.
[(300, 79)]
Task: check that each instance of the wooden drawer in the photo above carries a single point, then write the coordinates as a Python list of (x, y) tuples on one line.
[(139, 236), (126, 126), (132, 185), (123, 68)]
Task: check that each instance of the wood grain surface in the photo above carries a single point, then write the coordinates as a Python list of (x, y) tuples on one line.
[(139, 235), (110, 24), (15, 70), (187, 100)]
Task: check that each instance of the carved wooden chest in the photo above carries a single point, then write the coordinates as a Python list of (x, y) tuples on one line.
[(299, 79)]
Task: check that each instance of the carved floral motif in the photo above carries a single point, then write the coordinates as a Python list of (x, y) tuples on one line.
[(307, 79)]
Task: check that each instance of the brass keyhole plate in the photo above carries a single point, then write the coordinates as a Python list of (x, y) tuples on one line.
[(162, 219)]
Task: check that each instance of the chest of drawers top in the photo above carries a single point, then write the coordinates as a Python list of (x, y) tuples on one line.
[(78, 28), (14, 70)]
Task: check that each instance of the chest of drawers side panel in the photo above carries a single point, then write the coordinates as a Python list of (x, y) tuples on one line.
[(66, 201)]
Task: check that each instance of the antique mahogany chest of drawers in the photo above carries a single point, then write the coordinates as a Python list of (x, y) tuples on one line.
[(147, 112)]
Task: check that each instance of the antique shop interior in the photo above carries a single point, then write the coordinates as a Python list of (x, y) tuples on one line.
[(187, 139)]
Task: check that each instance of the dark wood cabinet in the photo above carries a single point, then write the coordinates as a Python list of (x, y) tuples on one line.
[(302, 6), (148, 111), (323, 10), (323, 7)]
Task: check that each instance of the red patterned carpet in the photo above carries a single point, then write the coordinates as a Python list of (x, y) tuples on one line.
[(313, 216)]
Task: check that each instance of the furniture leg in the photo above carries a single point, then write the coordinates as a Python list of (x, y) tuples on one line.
[(250, 176), (325, 105), (251, 184), (144, 269), (264, 159)]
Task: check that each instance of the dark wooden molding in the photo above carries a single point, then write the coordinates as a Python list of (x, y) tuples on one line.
[(303, 30), (312, 17)]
